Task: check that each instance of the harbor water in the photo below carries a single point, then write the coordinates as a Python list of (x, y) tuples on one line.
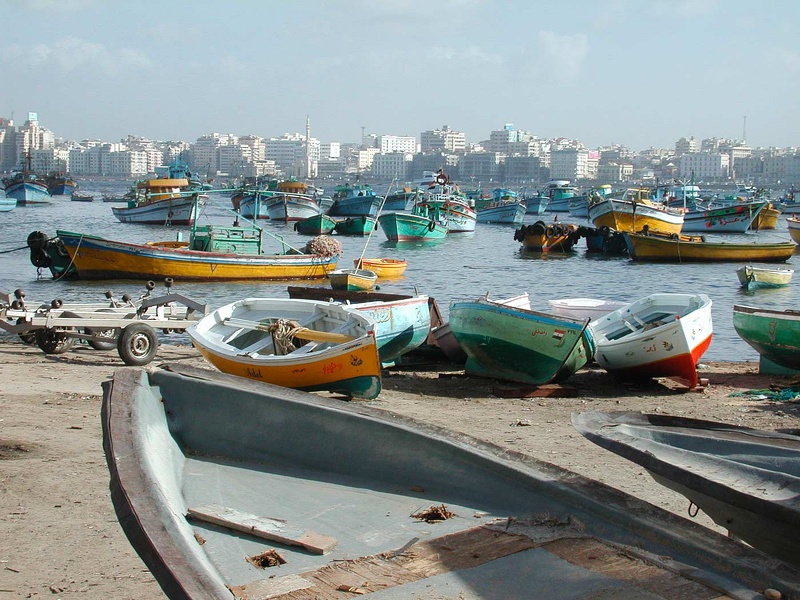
[(461, 266)]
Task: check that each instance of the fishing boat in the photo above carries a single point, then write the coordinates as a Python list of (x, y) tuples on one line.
[(648, 247), (320, 224), (399, 199), (767, 218), (560, 191), (162, 201), (752, 277), (503, 206), (733, 218), (25, 186), (354, 201), (291, 203), (535, 204), (541, 237), (384, 268), (7, 204), (793, 224), (632, 211), (424, 222), (585, 308), (774, 334), (453, 206), (81, 197), (448, 344), (310, 345), (213, 253), (660, 335), (506, 339), (403, 322), (747, 480), (215, 479), (60, 184), (362, 225), (352, 279)]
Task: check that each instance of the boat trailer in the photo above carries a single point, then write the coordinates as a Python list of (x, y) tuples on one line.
[(128, 325)]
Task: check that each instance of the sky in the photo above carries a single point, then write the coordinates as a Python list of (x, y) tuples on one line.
[(641, 73)]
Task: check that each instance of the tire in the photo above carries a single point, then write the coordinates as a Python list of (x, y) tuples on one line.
[(51, 341), (29, 337), (137, 344), (111, 334)]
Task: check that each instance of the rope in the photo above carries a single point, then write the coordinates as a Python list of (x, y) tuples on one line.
[(283, 332)]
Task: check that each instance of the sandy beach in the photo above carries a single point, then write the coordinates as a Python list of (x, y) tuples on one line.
[(59, 536)]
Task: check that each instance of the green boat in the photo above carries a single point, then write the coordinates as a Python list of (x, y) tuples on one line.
[(317, 225), (505, 339), (362, 225), (425, 222), (775, 334)]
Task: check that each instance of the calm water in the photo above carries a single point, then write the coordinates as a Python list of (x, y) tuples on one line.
[(459, 267)]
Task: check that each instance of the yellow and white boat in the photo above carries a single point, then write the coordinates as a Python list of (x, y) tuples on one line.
[(310, 345), (384, 268), (633, 211)]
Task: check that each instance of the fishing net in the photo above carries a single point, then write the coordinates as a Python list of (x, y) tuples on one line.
[(323, 245)]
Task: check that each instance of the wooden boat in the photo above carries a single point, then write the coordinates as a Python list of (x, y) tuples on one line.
[(775, 334), (633, 211), (793, 224), (447, 342), (660, 335), (352, 279), (767, 218), (340, 493), (747, 480), (80, 197), (733, 218), (644, 247), (560, 191), (504, 206), (320, 224), (60, 184), (284, 206), (585, 308), (304, 344), (385, 268), (442, 197), (535, 204), (541, 237), (362, 225), (354, 201), (25, 186), (399, 199), (424, 222), (7, 204), (505, 339), (753, 277), (214, 253), (403, 322)]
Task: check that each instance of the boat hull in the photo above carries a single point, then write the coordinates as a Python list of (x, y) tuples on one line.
[(7, 204), (753, 278), (735, 218), (540, 237), (651, 248), (406, 227), (509, 214), (625, 215), (289, 207), (352, 279), (98, 258), (526, 346), (315, 225), (355, 207), (28, 192), (171, 211), (362, 225), (774, 334), (384, 268)]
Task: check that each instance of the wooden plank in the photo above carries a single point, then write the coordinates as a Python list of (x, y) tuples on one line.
[(263, 527), (549, 390)]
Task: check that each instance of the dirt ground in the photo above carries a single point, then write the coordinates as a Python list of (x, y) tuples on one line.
[(59, 536)]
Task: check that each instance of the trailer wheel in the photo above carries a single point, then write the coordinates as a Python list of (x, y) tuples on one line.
[(52, 341), (137, 344), (29, 337), (110, 334)]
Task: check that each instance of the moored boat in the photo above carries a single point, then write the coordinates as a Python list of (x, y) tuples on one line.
[(352, 279), (303, 344), (753, 277), (162, 201), (767, 218), (60, 184), (506, 339), (747, 480), (774, 334), (291, 203), (504, 206), (660, 335), (733, 218), (81, 197), (354, 200), (541, 237), (214, 253), (7, 204), (320, 224), (648, 247), (560, 191), (25, 186), (632, 211), (424, 222), (362, 225), (384, 268), (793, 225), (347, 508)]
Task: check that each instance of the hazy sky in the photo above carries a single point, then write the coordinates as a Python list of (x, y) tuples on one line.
[(636, 72)]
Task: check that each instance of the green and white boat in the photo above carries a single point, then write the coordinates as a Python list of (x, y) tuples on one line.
[(506, 339), (424, 222), (775, 334)]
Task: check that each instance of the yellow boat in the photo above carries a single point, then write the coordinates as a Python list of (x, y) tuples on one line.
[(794, 228), (352, 279), (650, 247), (767, 218), (202, 259), (309, 345), (384, 268), (633, 211), (540, 237)]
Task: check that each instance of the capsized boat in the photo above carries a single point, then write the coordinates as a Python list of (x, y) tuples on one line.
[(752, 277), (746, 480), (310, 345), (649, 247), (660, 335), (213, 253), (774, 334), (506, 339), (213, 477)]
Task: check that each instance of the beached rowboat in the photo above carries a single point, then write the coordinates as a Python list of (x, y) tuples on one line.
[(775, 334)]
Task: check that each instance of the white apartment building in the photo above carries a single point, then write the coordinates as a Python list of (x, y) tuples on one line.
[(686, 146), (443, 140), (571, 164), (50, 160), (394, 143), (392, 165), (705, 166)]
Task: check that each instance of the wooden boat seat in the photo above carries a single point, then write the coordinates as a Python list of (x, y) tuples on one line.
[(649, 322)]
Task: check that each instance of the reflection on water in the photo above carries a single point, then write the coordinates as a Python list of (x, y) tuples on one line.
[(458, 267)]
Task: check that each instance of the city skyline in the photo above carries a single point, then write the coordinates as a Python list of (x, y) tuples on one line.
[(639, 74)]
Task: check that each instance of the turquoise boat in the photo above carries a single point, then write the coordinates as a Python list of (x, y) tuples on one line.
[(362, 225), (25, 186), (317, 225), (775, 334), (424, 222), (354, 200), (505, 339)]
